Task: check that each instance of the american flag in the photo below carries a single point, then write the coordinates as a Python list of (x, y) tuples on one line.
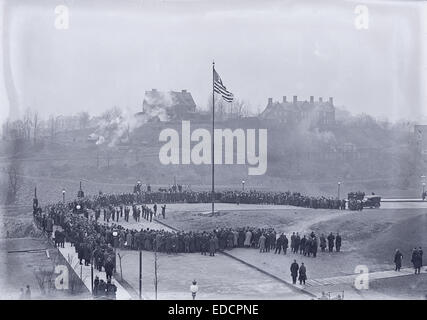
[(221, 89)]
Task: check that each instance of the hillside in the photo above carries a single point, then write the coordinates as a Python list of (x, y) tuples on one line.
[(300, 158)]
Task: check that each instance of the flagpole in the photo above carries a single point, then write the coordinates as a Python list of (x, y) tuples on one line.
[(212, 138)]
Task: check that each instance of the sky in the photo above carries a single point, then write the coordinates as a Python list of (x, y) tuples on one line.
[(112, 51)]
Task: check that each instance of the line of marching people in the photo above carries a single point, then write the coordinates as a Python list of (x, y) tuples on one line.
[(115, 213), (248, 197)]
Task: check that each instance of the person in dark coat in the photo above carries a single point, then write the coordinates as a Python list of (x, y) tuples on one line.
[(294, 271), (164, 211), (285, 244), (314, 245), (293, 236), (414, 259), (302, 274), (212, 247), (111, 290), (102, 288), (279, 244), (417, 259), (297, 243), (322, 243), (338, 242), (204, 245), (302, 245), (398, 260), (96, 286), (87, 254), (109, 267), (80, 251), (331, 239)]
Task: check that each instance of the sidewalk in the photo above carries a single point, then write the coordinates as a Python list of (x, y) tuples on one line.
[(84, 272), (350, 278)]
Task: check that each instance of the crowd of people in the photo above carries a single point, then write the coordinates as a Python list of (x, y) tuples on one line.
[(93, 239), (188, 196)]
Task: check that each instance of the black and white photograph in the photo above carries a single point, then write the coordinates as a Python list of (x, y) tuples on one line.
[(191, 150)]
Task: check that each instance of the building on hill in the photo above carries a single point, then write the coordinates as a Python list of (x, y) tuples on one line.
[(171, 105), (322, 113)]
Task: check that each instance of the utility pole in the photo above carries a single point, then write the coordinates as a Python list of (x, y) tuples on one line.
[(140, 274)]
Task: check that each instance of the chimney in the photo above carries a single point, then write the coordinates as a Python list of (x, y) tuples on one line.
[(295, 99), (184, 91), (311, 99), (320, 99), (270, 101), (331, 100), (284, 99)]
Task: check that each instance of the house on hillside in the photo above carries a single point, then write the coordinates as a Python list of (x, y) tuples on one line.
[(319, 112), (171, 105)]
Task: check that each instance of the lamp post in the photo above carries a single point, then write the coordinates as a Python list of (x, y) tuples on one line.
[(423, 195), (424, 188), (91, 271), (339, 187), (194, 288), (115, 234), (140, 274), (243, 185), (63, 196)]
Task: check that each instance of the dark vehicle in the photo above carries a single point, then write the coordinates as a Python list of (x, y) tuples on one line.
[(373, 201), (356, 196), (358, 201)]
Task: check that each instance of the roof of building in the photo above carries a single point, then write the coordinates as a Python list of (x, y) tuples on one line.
[(168, 99), (277, 109)]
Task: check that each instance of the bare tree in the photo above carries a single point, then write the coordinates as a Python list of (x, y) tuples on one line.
[(14, 182), (111, 114), (84, 119), (27, 122), (220, 107), (240, 109), (35, 125), (52, 126)]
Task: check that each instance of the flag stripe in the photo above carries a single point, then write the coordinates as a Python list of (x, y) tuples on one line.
[(221, 89)]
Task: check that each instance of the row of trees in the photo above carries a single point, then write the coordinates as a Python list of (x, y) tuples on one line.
[(31, 127), (223, 110)]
